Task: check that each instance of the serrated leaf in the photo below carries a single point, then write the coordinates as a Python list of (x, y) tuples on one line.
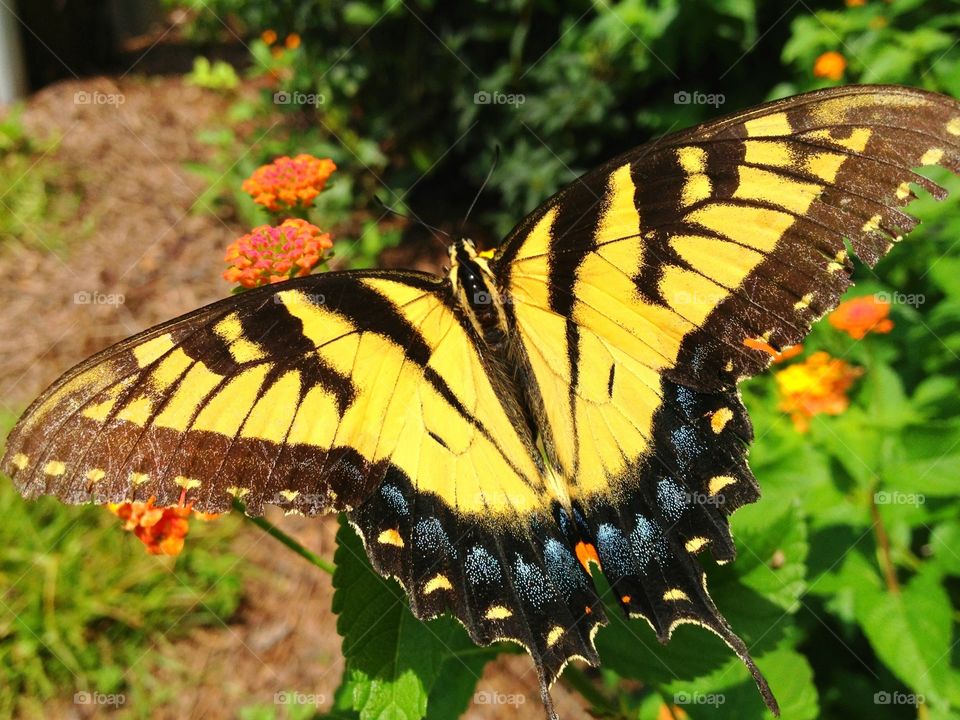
[(729, 693), (911, 632), (397, 665)]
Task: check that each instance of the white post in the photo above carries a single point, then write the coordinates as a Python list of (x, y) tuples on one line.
[(13, 77)]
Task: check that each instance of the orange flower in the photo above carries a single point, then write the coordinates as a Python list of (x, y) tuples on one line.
[(162, 530), (272, 254), (292, 42), (817, 385), (856, 3), (862, 315), (288, 182), (269, 37), (830, 65), (671, 712)]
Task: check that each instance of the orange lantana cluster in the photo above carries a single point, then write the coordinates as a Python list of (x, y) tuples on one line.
[(830, 65), (271, 254), (862, 315), (288, 182), (161, 529), (817, 385)]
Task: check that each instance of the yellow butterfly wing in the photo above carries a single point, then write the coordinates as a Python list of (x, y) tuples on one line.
[(643, 292)]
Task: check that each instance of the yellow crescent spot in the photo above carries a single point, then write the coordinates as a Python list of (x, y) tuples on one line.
[(719, 482), (931, 156), (953, 127), (54, 468), (719, 419), (834, 267), (20, 461), (556, 632), (804, 302), (237, 492), (694, 544), (139, 478), (675, 594), (437, 582), (498, 612), (487, 254), (903, 191), (872, 225), (390, 537), (95, 475), (187, 483), (289, 495)]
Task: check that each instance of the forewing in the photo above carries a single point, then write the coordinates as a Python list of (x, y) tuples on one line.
[(643, 292)]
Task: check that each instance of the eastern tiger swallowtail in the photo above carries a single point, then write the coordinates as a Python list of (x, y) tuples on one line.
[(570, 406)]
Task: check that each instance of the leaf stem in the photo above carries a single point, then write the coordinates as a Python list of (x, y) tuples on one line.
[(278, 534), (883, 547)]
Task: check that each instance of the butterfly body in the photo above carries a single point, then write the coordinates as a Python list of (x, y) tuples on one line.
[(569, 407)]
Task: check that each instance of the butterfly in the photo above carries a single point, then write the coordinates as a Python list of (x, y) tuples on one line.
[(566, 407)]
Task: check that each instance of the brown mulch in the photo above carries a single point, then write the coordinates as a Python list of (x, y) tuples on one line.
[(134, 235)]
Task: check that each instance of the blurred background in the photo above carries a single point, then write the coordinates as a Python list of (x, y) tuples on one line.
[(126, 130)]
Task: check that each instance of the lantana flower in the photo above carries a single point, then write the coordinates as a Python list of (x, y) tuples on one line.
[(161, 529), (817, 385), (862, 315), (289, 182), (830, 65), (273, 253)]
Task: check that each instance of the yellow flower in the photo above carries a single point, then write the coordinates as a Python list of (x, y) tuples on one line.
[(830, 65), (817, 385), (862, 315)]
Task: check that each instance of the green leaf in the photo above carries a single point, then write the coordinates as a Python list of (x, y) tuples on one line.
[(730, 691), (397, 667), (911, 632)]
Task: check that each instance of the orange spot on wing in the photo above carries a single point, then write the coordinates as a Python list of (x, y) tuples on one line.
[(760, 344), (586, 554), (626, 599)]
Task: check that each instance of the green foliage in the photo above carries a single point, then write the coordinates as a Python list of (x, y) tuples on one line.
[(397, 666), (84, 609), (33, 194), (218, 75)]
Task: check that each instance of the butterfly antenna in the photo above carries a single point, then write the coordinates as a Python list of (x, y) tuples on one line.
[(493, 166), (414, 220)]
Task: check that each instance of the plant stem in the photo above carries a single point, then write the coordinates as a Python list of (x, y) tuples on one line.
[(275, 532), (883, 548)]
